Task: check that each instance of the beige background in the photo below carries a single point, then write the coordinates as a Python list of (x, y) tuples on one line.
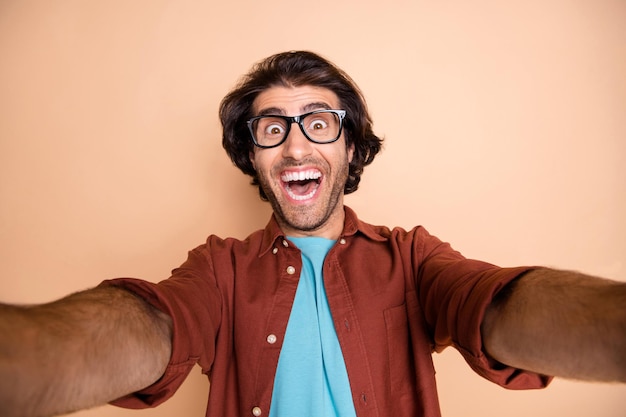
[(505, 135)]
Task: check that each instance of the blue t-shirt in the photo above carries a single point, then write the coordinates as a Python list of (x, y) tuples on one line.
[(311, 379)]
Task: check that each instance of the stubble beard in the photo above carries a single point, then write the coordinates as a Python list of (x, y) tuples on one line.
[(306, 218)]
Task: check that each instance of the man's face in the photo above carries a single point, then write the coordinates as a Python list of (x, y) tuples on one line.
[(304, 181)]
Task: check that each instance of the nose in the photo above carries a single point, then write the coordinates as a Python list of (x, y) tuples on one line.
[(296, 146)]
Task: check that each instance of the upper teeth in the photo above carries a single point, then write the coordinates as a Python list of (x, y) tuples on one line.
[(310, 174)]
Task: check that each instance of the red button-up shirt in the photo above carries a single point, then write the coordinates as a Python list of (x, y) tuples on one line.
[(395, 296)]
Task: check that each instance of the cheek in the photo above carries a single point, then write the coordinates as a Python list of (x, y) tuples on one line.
[(262, 160)]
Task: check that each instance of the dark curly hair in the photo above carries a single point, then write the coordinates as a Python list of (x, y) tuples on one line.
[(293, 69)]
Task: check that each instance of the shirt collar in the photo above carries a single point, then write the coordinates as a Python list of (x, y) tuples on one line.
[(352, 225)]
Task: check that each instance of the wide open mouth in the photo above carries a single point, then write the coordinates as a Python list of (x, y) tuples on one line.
[(301, 185)]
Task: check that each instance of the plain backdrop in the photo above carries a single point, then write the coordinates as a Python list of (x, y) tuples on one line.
[(504, 126)]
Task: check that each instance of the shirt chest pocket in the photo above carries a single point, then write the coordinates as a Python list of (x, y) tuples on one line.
[(399, 352)]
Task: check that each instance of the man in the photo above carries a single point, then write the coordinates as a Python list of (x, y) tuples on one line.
[(319, 313)]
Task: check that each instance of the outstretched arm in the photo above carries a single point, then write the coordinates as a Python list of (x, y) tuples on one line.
[(560, 323), (83, 350)]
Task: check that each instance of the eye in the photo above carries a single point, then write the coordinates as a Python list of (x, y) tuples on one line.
[(271, 127), (318, 124), (274, 129)]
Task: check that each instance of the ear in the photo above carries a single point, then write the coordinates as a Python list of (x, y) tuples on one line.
[(251, 157), (351, 152)]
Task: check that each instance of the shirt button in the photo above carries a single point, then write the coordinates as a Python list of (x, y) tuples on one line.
[(275, 251), (256, 411), (291, 270), (271, 339), (342, 241), (285, 243)]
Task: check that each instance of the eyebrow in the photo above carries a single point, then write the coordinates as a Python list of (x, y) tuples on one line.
[(276, 111)]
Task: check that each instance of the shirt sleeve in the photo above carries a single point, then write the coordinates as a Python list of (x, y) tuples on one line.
[(191, 298), (455, 293)]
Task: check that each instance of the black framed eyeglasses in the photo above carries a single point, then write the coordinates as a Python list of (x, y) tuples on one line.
[(319, 126)]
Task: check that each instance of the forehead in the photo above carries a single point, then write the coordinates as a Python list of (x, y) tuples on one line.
[(295, 100)]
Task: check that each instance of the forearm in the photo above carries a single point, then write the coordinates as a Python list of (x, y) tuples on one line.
[(81, 351), (560, 323)]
